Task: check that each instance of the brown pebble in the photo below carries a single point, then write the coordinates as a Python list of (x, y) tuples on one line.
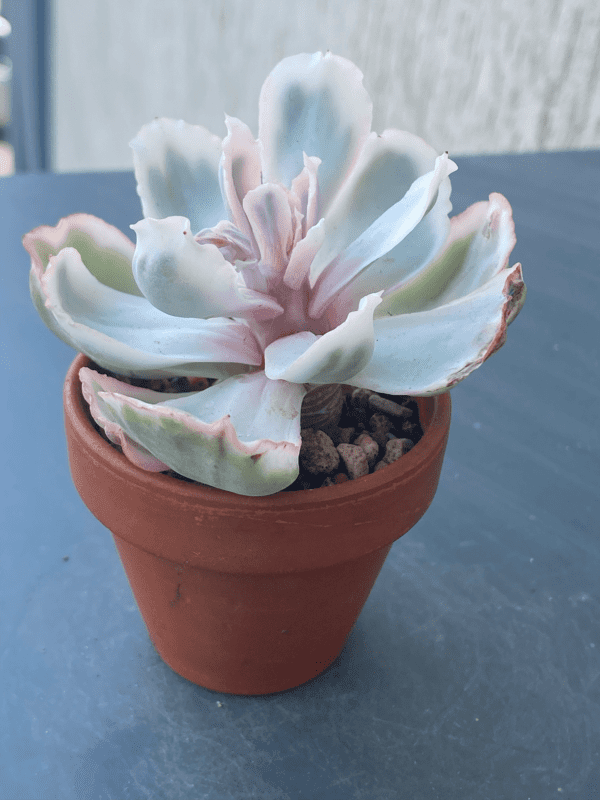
[(354, 459), (370, 447), (386, 406), (317, 453), (179, 385), (346, 435), (380, 426), (331, 430), (340, 478), (396, 448), (338, 435)]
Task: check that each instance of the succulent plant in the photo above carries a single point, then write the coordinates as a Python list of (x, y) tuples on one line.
[(319, 253)]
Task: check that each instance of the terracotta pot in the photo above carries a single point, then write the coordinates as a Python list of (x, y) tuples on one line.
[(250, 595)]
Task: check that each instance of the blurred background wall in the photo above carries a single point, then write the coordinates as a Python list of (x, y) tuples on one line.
[(469, 76)]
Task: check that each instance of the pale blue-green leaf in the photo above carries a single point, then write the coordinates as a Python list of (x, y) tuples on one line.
[(384, 234), (127, 335), (177, 171), (428, 352), (314, 104), (480, 242), (92, 383)]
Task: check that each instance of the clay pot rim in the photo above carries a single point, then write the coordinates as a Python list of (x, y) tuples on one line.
[(434, 415)]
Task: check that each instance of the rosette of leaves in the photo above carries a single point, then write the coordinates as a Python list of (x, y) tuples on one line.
[(318, 253)]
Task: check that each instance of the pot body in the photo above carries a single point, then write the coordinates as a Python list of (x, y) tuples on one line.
[(250, 595)]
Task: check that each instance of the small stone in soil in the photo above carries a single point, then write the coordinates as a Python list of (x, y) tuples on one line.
[(354, 459), (318, 455), (369, 446), (337, 434), (380, 425), (357, 424), (389, 407), (396, 448)]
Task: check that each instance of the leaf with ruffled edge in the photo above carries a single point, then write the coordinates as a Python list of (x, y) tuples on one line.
[(126, 334), (239, 171), (187, 279), (241, 435), (92, 383), (108, 253), (333, 357), (428, 352), (314, 104), (480, 242), (382, 236), (177, 171)]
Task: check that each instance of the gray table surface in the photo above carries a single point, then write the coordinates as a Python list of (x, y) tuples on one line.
[(474, 669)]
